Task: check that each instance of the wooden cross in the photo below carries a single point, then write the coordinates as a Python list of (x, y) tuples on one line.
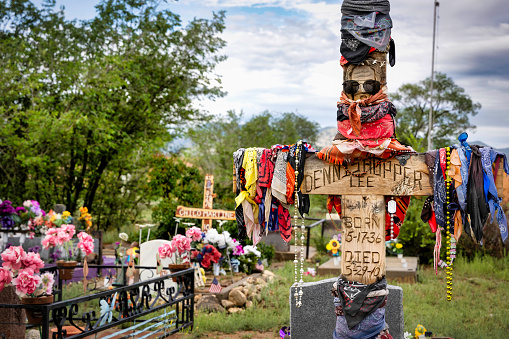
[(362, 186), (208, 197), (207, 214)]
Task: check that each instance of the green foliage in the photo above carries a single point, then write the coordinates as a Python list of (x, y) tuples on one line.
[(268, 251), (452, 108), (479, 308), (85, 104), (415, 235), (173, 182), (320, 243)]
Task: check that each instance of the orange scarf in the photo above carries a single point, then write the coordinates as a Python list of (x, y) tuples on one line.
[(354, 111)]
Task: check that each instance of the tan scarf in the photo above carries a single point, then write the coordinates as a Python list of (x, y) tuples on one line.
[(354, 111)]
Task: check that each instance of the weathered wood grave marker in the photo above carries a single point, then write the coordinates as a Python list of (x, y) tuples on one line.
[(207, 214), (362, 186)]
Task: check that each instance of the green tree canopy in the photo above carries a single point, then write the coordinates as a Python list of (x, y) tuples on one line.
[(452, 109), (85, 104), (215, 142)]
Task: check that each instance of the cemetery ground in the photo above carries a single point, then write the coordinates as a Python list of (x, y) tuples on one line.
[(479, 309), (480, 306)]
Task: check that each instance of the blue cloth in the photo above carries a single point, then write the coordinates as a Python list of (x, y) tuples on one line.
[(488, 157), (461, 190), (463, 141), (368, 328), (439, 192)]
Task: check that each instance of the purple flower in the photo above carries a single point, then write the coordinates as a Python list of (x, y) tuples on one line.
[(20, 210), (6, 222), (55, 255), (8, 245), (35, 208), (6, 208), (35, 249)]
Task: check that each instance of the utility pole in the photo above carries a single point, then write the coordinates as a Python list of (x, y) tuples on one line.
[(430, 118)]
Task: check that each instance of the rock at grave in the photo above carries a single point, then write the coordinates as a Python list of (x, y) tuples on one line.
[(267, 272), (237, 297), (33, 334), (209, 303), (13, 319), (227, 304), (235, 310), (249, 304), (260, 281), (59, 208)]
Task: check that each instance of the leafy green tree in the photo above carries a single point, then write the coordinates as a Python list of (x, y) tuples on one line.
[(173, 182), (85, 104), (452, 109), (215, 142)]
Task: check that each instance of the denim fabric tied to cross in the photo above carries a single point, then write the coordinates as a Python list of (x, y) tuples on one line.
[(489, 157)]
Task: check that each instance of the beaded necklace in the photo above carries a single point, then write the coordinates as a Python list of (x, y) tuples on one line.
[(298, 281), (450, 250)]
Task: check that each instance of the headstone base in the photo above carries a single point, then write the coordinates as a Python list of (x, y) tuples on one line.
[(317, 303)]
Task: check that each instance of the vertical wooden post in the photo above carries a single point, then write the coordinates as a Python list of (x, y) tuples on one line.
[(208, 197), (363, 240)]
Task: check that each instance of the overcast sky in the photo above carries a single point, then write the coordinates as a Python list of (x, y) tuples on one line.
[(283, 55)]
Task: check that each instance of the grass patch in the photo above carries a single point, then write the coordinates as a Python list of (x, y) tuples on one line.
[(480, 306)]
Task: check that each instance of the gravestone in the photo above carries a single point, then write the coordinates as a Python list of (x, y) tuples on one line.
[(274, 239), (316, 317), (148, 251)]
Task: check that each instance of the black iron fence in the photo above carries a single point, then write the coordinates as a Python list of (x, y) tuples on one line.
[(155, 304)]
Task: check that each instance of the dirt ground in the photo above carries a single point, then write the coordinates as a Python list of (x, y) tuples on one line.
[(237, 335)]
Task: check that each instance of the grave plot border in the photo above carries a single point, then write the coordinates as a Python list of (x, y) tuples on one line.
[(132, 303)]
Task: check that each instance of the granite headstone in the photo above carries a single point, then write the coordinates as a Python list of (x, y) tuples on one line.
[(316, 318)]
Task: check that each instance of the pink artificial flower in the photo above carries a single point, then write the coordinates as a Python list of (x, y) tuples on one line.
[(166, 250), (62, 236), (32, 261), (48, 280), (181, 243), (5, 277), (26, 282), (84, 236), (49, 241), (31, 235), (194, 233), (70, 229), (86, 246), (238, 250), (12, 257), (86, 242)]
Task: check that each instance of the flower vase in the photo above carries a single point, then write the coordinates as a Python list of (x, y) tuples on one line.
[(235, 268), (178, 267), (400, 256), (34, 317), (216, 268), (66, 269)]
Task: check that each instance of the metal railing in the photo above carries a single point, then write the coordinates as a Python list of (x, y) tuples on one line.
[(118, 306)]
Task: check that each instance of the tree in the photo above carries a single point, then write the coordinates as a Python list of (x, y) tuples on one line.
[(215, 142), (85, 104), (173, 182), (452, 108)]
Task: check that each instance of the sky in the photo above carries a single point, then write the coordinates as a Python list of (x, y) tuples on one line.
[(283, 55)]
